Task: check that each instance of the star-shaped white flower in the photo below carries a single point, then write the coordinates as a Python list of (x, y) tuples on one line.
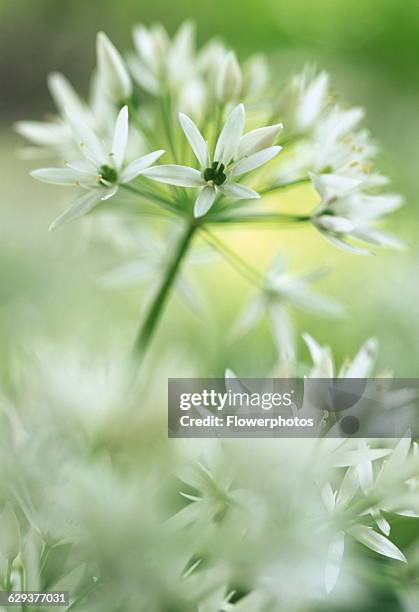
[(100, 172), (282, 293), (348, 211), (54, 135), (234, 155), (155, 65)]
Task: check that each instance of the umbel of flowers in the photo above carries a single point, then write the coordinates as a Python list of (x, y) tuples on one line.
[(198, 139)]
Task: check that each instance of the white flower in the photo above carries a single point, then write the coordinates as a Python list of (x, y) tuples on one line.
[(224, 80), (100, 171), (323, 365), (153, 259), (281, 293), (55, 134), (210, 57), (346, 210), (255, 77), (303, 101), (230, 79), (234, 155), (112, 70), (156, 64)]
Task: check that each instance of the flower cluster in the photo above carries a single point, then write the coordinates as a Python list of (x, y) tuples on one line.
[(188, 140), (322, 142), (223, 537)]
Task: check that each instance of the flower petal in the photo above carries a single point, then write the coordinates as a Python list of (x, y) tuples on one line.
[(89, 143), (331, 223), (258, 139), (377, 542), (109, 193), (376, 236), (195, 138), (204, 201), (81, 206), (229, 138), (120, 138), (129, 274), (182, 176), (357, 457), (239, 192), (254, 161), (248, 317), (348, 488), (63, 176), (283, 331), (138, 165), (230, 79), (363, 362), (112, 69), (64, 94), (334, 561), (330, 186), (43, 133), (345, 246)]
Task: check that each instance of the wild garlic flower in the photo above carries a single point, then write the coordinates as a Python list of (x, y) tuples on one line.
[(55, 136), (347, 210), (150, 254), (99, 172), (234, 155), (156, 64), (112, 70), (361, 366), (280, 295), (303, 101)]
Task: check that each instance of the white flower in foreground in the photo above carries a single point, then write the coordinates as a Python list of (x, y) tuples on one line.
[(361, 366), (234, 155), (283, 292), (112, 70), (100, 172), (347, 211), (337, 503)]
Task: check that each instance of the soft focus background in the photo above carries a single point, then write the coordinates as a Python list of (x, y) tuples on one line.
[(48, 282)]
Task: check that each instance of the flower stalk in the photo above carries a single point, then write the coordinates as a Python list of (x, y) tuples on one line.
[(148, 327)]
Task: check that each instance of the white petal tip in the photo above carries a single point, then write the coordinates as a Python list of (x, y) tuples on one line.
[(198, 214)]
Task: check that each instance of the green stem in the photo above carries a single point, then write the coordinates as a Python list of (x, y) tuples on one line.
[(251, 274), (295, 183), (148, 327), (259, 218), (149, 195), (9, 574)]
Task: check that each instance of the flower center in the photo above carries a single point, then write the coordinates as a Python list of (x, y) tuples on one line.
[(108, 174), (215, 173)]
